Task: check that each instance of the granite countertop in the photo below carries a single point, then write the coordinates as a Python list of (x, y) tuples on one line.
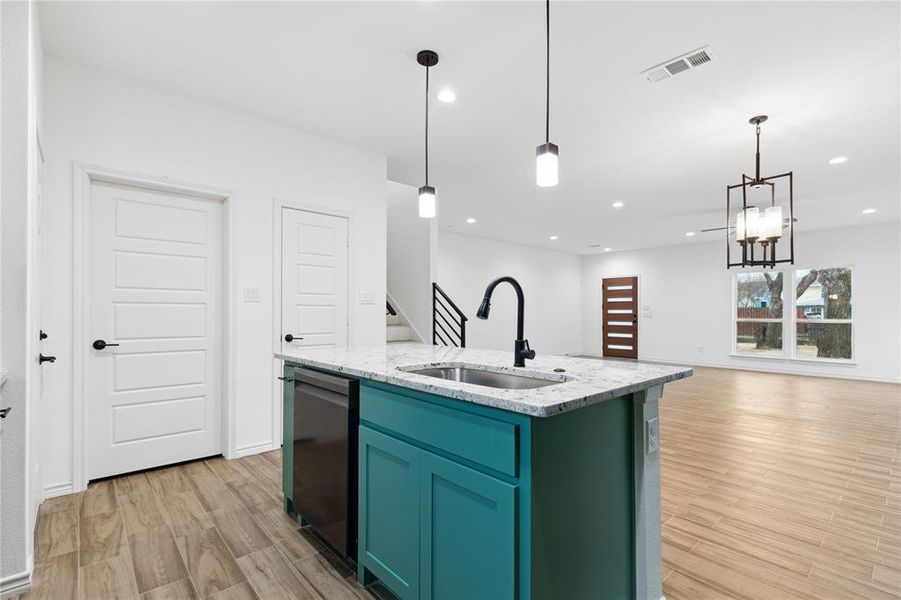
[(585, 381)]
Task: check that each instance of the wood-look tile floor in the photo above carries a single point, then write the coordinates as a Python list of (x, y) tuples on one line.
[(206, 529), (778, 486), (773, 487)]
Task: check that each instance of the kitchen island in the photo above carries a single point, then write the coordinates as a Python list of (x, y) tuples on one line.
[(466, 490)]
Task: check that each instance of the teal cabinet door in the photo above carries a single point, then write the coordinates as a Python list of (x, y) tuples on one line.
[(468, 533), (389, 512)]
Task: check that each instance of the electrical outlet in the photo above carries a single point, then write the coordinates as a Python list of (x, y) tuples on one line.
[(652, 435), (251, 293)]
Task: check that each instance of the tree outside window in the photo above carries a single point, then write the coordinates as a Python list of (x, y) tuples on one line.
[(758, 317), (821, 317), (823, 305)]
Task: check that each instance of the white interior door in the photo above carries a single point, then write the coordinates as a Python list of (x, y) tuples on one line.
[(314, 279), (156, 290)]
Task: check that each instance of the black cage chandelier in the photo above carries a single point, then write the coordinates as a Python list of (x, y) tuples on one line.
[(756, 223)]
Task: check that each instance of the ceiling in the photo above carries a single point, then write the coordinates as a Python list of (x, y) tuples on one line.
[(827, 74)]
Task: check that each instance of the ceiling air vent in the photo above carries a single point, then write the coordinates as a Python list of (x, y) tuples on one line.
[(680, 64)]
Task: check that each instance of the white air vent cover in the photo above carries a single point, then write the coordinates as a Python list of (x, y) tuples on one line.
[(680, 64)]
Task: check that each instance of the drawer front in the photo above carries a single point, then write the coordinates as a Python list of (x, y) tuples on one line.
[(483, 440)]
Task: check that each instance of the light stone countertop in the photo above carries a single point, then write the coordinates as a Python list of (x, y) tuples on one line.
[(586, 381)]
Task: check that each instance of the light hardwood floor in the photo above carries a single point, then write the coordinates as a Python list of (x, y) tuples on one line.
[(773, 487), (779, 486), (207, 529)]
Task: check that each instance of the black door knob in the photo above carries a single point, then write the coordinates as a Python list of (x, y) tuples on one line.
[(290, 338), (42, 359), (5, 411), (42, 335), (101, 344)]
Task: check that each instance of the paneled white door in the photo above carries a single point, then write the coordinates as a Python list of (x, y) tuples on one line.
[(156, 300), (314, 279)]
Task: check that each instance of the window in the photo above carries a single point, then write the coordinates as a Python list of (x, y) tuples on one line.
[(821, 319), (823, 313), (758, 313)]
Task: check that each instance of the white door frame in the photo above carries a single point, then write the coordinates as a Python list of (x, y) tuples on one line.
[(278, 205), (84, 176)]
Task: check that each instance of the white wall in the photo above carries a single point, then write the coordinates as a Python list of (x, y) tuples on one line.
[(688, 290), (551, 282), (412, 243), (19, 82), (116, 124)]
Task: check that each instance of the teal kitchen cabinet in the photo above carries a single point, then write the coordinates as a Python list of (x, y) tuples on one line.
[(478, 503), (468, 527), (389, 497), (428, 519)]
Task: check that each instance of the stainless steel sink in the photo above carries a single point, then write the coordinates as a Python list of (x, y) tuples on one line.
[(504, 381)]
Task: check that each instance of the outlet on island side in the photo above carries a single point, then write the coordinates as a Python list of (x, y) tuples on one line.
[(652, 435)]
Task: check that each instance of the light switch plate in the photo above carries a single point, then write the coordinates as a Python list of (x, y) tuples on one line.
[(652, 435), (367, 298), (251, 293)]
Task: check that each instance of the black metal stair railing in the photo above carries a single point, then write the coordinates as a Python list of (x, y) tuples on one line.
[(448, 321)]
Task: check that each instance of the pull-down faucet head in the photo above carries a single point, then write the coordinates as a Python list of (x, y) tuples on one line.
[(484, 307)]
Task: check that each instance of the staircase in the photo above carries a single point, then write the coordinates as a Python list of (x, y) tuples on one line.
[(398, 328)]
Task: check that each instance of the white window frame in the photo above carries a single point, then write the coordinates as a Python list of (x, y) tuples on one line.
[(790, 320), (736, 320)]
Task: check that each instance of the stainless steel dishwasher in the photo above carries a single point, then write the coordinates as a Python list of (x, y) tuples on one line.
[(326, 419)]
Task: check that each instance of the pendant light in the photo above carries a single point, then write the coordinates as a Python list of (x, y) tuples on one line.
[(546, 167), (759, 218), (428, 59)]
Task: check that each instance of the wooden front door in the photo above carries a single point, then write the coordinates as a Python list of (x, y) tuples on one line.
[(620, 316)]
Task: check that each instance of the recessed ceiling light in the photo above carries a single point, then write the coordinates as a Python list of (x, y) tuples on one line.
[(553, 237), (868, 211), (471, 220), (618, 204), (447, 95), (689, 233), (607, 249), (838, 160)]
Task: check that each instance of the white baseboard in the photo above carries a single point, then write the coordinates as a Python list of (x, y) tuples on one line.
[(774, 368), (254, 449), (13, 585), (59, 489)]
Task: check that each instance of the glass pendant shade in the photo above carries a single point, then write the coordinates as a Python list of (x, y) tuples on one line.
[(752, 223), (546, 165), (772, 223), (427, 202)]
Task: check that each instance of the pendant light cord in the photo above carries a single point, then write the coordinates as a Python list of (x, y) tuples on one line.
[(547, 62), (427, 125)]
